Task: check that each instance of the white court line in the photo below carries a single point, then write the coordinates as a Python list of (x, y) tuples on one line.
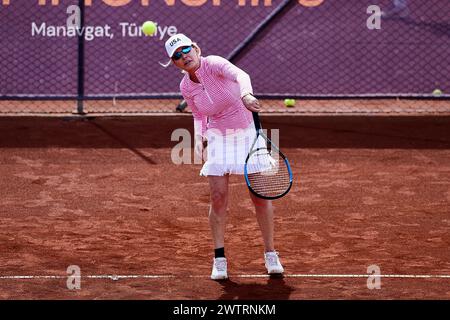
[(118, 277)]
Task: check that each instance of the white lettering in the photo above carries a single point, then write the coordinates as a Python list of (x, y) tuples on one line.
[(180, 153), (374, 280), (74, 280), (36, 31), (374, 21)]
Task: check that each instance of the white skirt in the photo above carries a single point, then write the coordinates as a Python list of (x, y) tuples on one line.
[(226, 154)]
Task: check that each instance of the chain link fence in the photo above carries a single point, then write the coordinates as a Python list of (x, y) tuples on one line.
[(330, 55)]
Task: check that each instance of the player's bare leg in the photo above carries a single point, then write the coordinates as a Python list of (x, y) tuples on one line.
[(264, 215), (218, 208)]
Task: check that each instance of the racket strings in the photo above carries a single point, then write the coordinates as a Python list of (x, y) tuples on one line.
[(270, 175)]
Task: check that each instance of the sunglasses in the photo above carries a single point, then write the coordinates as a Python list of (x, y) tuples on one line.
[(178, 55)]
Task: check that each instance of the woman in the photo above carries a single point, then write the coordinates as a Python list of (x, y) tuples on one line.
[(221, 98)]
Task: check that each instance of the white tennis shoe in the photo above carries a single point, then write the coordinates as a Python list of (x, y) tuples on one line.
[(273, 264), (219, 270)]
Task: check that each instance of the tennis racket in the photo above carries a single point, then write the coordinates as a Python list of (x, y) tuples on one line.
[(267, 170)]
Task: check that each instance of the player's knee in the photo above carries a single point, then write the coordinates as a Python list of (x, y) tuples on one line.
[(219, 200)]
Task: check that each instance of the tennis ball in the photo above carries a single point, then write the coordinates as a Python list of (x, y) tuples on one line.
[(437, 92), (289, 103), (149, 28)]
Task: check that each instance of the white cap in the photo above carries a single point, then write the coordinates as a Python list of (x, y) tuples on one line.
[(175, 42)]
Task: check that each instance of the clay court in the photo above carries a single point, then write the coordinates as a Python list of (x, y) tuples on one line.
[(360, 94), (102, 193)]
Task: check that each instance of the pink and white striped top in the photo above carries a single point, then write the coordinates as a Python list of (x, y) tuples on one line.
[(216, 101)]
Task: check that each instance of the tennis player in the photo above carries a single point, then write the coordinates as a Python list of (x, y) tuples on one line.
[(220, 96)]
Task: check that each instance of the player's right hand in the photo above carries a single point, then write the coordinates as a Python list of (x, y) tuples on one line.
[(251, 103)]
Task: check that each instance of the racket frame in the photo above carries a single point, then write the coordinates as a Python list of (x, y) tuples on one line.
[(260, 132)]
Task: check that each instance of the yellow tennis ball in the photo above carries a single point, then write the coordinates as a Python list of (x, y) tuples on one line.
[(437, 92), (289, 103), (149, 28)]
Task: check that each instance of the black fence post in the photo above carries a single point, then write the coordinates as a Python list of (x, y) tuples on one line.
[(80, 89)]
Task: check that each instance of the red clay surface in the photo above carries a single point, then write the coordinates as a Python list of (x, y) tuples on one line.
[(103, 194)]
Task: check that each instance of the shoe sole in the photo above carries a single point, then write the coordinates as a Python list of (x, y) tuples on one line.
[(280, 271), (219, 278), (275, 272)]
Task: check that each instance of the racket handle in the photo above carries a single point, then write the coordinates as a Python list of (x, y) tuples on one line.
[(181, 106), (256, 120)]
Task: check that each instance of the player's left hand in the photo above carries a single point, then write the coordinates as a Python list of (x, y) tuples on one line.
[(251, 103)]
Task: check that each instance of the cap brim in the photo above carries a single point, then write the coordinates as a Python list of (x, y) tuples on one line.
[(186, 44)]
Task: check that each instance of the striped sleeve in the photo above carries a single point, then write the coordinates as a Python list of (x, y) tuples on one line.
[(225, 68)]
